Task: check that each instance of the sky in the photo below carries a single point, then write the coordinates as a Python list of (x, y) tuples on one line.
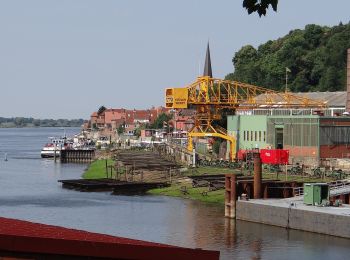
[(66, 58)]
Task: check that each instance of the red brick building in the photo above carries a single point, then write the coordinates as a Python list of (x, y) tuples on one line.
[(112, 118)]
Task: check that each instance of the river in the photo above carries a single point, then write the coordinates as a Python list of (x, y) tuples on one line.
[(29, 191)]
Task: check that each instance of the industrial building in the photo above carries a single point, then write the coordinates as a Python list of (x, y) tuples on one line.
[(308, 138), (310, 135)]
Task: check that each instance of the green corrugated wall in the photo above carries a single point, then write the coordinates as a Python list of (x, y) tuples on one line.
[(250, 130)]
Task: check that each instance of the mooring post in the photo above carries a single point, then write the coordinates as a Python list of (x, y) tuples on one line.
[(194, 157), (257, 176), (286, 169), (106, 168), (54, 152), (230, 195)]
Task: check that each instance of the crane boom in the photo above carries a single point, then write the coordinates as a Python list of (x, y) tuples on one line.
[(210, 96)]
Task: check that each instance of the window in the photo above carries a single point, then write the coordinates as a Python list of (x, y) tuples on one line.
[(243, 135), (251, 135), (255, 136), (247, 135), (259, 136), (264, 136)]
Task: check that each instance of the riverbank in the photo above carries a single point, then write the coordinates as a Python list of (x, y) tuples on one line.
[(201, 194), (181, 186), (97, 169)]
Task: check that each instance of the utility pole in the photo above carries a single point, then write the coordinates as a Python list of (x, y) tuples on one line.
[(287, 70)]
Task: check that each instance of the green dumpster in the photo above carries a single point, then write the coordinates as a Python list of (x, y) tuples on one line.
[(315, 193)]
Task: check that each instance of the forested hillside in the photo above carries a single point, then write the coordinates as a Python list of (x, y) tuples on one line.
[(316, 57)]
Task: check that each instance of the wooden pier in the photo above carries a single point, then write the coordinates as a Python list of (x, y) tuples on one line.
[(77, 155), (117, 186)]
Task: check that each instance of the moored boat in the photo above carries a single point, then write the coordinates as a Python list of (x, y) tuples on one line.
[(54, 147)]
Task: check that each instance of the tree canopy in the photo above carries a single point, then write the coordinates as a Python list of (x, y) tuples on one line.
[(101, 110), (259, 6), (315, 57), (159, 122)]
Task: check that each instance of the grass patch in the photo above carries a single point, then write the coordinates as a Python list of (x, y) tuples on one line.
[(217, 197), (97, 169)]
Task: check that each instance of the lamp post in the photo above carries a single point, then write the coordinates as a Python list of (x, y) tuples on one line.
[(287, 70)]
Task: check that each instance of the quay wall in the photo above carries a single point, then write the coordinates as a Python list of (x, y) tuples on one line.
[(294, 218)]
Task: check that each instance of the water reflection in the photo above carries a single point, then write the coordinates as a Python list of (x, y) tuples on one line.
[(230, 232)]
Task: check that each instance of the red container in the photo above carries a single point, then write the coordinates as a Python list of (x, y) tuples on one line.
[(241, 155), (274, 156)]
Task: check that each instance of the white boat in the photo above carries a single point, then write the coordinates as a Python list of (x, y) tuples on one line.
[(54, 147)]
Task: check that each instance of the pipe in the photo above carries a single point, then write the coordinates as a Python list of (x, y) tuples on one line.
[(257, 176), (348, 81)]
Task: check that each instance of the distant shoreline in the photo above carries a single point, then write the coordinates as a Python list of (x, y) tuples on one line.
[(78, 126), (23, 122)]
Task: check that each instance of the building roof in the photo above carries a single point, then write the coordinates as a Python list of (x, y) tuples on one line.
[(332, 99), (186, 112), (23, 237), (117, 110)]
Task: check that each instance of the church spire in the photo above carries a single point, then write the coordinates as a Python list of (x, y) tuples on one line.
[(207, 66)]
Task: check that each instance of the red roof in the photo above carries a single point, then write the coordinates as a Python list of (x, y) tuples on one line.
[(23, 237)]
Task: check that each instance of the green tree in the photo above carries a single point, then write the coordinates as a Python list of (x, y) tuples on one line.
[(159, 122), (216, 146), (36, 122), (316, 57), (101, 110), (259, 6), (19, 121), (121, 129)]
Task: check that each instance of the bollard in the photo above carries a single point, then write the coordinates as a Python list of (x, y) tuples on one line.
[(230, 195), (257, 176)]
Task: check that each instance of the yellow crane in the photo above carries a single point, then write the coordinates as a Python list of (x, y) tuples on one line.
[(209, 96)]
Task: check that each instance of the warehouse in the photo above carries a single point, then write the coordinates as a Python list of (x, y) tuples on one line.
[(309, 135)]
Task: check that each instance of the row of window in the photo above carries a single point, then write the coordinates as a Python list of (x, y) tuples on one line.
[(256, 136)]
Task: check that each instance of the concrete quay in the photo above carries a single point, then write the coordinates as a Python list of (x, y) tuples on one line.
[(292, 213)]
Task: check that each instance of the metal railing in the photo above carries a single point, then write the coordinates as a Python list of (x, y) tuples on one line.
[(339, 184), (298, 191)]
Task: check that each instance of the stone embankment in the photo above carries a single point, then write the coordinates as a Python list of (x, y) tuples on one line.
[(292, 213)]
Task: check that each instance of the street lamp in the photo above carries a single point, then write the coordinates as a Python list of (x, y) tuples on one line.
[(287, 70)]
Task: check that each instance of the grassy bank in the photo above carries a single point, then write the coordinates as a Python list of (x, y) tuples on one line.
[(218, 196), (200, 194), (97, 169)]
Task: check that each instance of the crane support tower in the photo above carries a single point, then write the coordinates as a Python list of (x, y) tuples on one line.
[(210, 96)]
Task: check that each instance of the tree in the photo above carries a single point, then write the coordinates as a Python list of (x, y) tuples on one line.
[(19, 121), (36, 122), (159, 122), (259, 6), (316, 57), (101, 110), (216, 146), (121, 129)]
